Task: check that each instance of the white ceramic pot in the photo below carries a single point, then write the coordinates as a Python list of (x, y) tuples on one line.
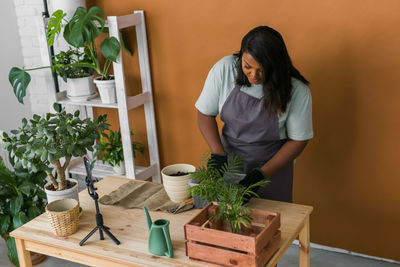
[(120, 169), (106, 90), (67, 193), (80, 88), (68, 6), (177, 186)]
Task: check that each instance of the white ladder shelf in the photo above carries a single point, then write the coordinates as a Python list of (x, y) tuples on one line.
[(123, 105)]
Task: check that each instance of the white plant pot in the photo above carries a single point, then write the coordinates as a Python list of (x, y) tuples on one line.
[(67, 193), (120, 169), (177, 186), (68, 6), (106, 90), (80, 88)]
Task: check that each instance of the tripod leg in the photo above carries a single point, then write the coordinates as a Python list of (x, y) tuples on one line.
[(110, 235), (101, 233), (89, 235)]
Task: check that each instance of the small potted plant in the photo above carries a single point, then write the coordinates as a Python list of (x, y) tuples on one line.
[(227, 224), (49, 142), (21, 199), (110, 146), (80, 32), (79, 80)]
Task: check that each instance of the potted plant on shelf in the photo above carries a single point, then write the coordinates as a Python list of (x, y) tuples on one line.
[(80, 32), (21, 199), (110, 146), (49, 142), (227, 226)]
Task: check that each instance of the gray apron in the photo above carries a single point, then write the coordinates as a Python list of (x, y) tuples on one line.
[(253, 134)]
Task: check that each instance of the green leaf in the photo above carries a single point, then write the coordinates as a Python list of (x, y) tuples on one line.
[(56, 107), (4, 224), (26, 187), (12, 250), (54, 26), (20, 219), (19, 80), (124, 45), (110, 48), (33, 212), (15, 205)]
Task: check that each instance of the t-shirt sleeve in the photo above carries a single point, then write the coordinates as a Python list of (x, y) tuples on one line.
[(208, 101), (299, 120)]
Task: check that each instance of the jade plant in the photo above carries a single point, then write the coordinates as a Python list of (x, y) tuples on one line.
[(52, 140), (80, 32), (21, 199), (110, 146), (231, 198)]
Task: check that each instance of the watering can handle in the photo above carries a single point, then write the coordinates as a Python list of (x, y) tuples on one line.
[(170, 253)]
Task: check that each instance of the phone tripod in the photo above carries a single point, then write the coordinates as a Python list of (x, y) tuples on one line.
[(99, 218)]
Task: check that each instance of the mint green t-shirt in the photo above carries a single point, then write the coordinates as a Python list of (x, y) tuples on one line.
[(295, 123)]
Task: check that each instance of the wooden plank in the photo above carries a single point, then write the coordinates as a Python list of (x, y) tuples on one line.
[(304, 244), (264, 255), (145, 76), (219, 255), (24, 256), (129, 20), (138, 100), (267, 233)]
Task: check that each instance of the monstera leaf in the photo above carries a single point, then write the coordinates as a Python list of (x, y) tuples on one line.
[(54, 26), (110, 48), (19, 80), (82, 28)]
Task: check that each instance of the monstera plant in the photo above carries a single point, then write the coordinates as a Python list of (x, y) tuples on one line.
[(80, 32), (52, 140)]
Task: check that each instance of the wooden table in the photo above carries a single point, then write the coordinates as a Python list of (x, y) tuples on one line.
[(130, 227)]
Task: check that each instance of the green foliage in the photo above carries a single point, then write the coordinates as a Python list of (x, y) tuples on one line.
[(110, 146), (66, 62), (43, 140), (80, 32), (231, 198), (21, 199)]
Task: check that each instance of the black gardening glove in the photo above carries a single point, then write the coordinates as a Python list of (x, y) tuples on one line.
[(252, 177), (217, 161)]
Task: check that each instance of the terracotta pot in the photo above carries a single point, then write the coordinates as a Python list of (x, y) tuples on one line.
[(36, 258)]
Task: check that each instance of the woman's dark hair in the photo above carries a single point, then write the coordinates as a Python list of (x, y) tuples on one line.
[(267, 47)]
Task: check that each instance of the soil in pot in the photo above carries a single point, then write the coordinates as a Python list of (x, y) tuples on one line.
[(70, 184), (179, 174)]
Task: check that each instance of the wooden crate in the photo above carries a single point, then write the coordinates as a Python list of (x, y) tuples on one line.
[(212, 242)]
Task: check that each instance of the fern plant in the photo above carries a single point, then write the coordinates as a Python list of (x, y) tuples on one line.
[(231, 198)]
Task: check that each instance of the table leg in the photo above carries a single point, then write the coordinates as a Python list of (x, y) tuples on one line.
[(24, 256), (304, 244)]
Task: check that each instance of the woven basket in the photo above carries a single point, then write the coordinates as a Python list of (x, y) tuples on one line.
[(64, 216)]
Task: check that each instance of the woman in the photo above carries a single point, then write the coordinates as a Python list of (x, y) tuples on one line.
[(265, 105)]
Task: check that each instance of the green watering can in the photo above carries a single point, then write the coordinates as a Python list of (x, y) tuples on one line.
[(159, 239)]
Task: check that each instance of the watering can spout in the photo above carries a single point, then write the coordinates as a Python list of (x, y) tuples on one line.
[(149, 222)]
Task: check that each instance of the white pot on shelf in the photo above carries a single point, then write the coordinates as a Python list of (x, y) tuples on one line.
[(106, 89), (120, 169), (67, 193), (81, 89)]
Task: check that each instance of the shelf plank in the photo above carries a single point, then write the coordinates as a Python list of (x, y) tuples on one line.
[(95, 102)]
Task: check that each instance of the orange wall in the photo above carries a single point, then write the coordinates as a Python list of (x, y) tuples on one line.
[(349, 50)]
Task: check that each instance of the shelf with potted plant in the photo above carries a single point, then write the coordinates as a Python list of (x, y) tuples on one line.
[(80, 32)]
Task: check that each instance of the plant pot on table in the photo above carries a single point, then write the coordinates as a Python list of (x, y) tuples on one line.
[(176, 179), (120, 169), (70, 192), (106, 89)]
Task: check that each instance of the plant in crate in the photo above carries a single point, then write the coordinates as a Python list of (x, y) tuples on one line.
[(231, 198), (50, 141), (110, 146), (21, 199), (80, 32)]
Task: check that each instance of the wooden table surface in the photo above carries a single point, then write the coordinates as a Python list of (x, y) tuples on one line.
[(130, 227)]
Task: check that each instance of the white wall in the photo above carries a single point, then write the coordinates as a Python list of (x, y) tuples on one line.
[(11, 111)]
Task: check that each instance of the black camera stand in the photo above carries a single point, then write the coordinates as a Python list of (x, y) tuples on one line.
[(99, 218)]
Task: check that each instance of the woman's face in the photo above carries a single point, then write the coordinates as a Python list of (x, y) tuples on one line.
[(252, 69)]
